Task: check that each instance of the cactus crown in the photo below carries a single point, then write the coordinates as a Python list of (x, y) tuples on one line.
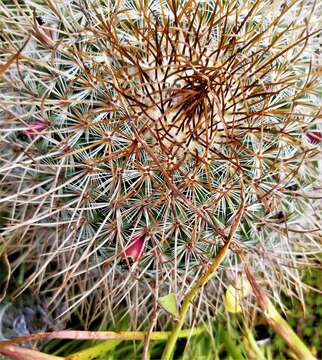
[(131, 133)]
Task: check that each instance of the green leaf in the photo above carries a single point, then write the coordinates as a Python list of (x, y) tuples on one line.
[(95, 352), (169, 303), (231, 347)]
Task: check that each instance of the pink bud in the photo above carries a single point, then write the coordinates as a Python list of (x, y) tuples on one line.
[(35, 127), (135, 248), (315, 137)]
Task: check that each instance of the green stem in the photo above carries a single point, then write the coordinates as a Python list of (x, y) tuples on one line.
[(231, 348), (252, 343), (101, 335), (273, 317), (7, 347), (102, 348), (282, 327), (169, 348)]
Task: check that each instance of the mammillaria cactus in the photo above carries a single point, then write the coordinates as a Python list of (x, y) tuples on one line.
[(135, 133)]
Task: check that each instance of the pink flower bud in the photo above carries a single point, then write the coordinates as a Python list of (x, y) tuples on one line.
[(35, 127), (135, 248), (315, 137)]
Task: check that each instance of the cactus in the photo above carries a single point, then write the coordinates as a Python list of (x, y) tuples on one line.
[(131, 132)]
